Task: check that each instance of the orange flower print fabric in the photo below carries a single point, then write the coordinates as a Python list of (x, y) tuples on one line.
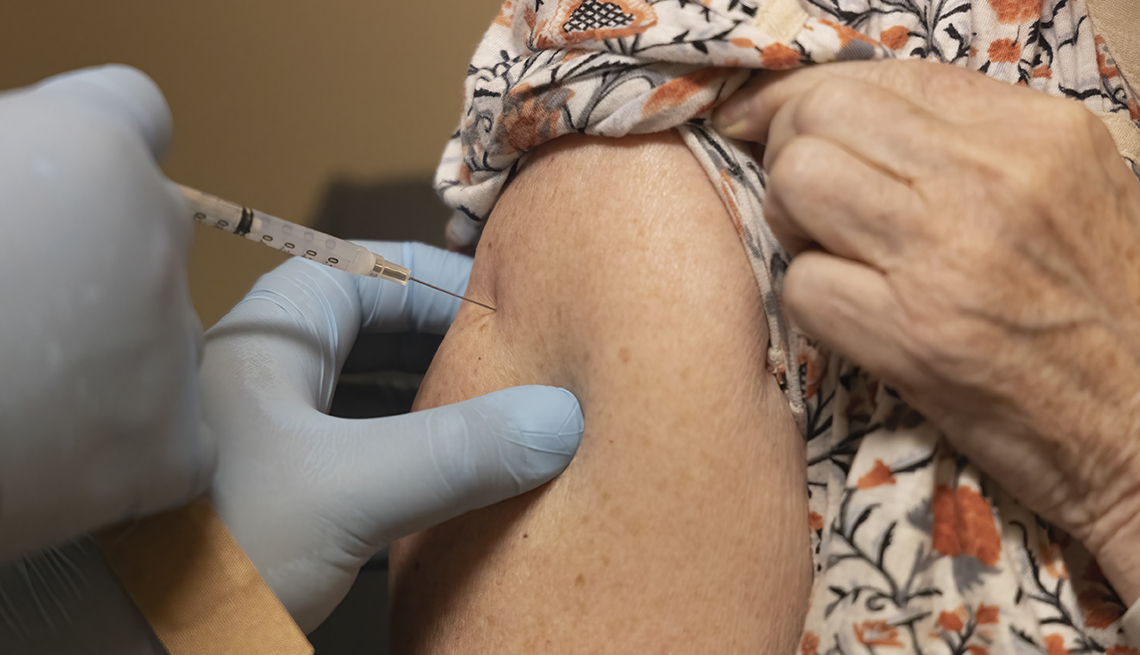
[(914, 550), (963, 525), (877, 633), (1016, 11)]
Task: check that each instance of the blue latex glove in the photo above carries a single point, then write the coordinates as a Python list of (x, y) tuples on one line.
[(98, 340), (310, 497)]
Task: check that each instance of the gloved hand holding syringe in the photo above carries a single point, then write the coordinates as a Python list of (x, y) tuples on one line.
[(116, 407), (298, 240)]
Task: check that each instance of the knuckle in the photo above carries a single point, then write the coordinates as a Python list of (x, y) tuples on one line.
[(795, 164), (1003, 174), (1074, 133), (938, 82), (1035, 174), (939, 345), (1070, 119), (828, 99)]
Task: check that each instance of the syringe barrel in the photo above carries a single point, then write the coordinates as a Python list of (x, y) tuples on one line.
[(279, 234)]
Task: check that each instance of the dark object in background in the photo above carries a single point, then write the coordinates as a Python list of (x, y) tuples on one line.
[(393, 210), (380, 378), (382, 374)]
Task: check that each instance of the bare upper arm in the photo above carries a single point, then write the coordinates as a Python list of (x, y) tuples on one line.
[(681, 525)]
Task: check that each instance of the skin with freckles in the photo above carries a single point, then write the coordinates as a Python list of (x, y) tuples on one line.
[(617, 274), (977, 245)]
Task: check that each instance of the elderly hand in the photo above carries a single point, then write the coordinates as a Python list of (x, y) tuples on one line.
[(977, 245), (98, 340), (309, 497)]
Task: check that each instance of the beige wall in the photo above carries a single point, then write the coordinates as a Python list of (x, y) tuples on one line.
[(271, 99)]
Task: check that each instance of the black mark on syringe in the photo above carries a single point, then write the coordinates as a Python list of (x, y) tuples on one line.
[(246, 223)]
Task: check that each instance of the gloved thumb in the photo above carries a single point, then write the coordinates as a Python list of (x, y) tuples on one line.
[(424, 468), (123, 94)]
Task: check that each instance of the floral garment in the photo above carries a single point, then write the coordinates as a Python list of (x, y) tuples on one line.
[(914, 550)]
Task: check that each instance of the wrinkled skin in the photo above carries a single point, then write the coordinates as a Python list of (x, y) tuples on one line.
[(977, 245)]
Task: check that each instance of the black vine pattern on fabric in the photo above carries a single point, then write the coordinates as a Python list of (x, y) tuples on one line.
[(595, 15)]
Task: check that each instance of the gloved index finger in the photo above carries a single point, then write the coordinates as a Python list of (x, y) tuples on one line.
[(387, 307)]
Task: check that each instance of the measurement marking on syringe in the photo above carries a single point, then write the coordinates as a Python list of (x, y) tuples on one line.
[(287, 237)]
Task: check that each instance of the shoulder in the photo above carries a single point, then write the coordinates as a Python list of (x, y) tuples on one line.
[(626, 235), (617, 274)]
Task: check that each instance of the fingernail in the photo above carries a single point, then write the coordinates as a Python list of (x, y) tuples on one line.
[(731, 120)]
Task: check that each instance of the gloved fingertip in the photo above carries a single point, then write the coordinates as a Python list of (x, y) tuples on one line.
[(132, 92), (549, 431), (574, 423), (436, 464)]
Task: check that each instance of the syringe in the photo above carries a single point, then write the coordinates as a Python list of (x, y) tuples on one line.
[(299, 240)]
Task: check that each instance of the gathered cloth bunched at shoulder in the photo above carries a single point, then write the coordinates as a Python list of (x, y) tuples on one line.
[(914, 550)]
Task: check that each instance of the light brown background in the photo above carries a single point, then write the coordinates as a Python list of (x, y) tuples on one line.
[(271, 99)]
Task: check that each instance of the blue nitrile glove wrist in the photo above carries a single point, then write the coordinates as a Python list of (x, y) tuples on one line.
[(310, 497), (98, 339)]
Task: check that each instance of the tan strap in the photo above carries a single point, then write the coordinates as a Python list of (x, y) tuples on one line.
[(1125, 133), (781, 19), (1118, 22), (196, 587)]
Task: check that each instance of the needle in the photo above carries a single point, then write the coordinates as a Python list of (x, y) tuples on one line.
[(300, 241), (451, 294)]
